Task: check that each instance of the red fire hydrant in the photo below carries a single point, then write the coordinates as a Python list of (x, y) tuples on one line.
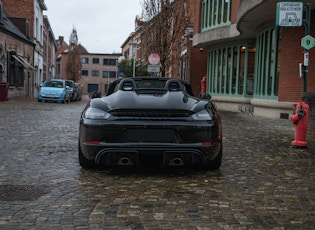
[(299, 117), (203, 84)]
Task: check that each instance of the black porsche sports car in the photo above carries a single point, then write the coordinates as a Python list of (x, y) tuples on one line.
[(149, 120)]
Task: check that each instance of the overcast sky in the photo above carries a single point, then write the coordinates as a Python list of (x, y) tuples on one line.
[(102, 25)]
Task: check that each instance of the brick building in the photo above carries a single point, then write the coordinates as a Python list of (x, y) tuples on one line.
[(98, 71), (95, 70), (37, 27), (16, 57), (252, 64), (190, 61), (49, 48)]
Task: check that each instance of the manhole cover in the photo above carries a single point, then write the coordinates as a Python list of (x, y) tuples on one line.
[(21, 192)]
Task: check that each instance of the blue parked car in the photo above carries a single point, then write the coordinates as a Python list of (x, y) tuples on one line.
[(54, 90)]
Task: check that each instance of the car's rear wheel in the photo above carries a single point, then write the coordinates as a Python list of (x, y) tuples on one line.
[(216, 162), (75, 97), (85, 163)]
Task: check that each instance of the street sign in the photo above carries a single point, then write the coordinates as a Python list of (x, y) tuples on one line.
[(289, 14), (306, 58), (154, 59), (308, 42), (153, 68)]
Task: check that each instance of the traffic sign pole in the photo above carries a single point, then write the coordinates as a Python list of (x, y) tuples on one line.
[(306, 53)]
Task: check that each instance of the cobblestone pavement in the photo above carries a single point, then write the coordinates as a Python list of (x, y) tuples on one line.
[(263, 183)]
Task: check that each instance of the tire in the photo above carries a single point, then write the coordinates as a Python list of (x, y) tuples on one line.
[(75, 97), (64, 100), (85, 163), (216, 162)]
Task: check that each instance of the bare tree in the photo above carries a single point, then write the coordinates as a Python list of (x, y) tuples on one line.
[(73, 66), (164, 24)]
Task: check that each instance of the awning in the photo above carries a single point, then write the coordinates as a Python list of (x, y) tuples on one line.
[(23, 62)]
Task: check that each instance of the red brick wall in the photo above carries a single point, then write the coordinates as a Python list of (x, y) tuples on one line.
[(198, 63), (234, 10), (197, 16), (21, 9), (290, 55), (198, 68)]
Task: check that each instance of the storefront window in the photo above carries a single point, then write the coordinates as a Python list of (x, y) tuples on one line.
[(266, 85), (231, 70)]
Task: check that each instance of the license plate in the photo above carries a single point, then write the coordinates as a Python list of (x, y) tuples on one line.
[(151, 135)]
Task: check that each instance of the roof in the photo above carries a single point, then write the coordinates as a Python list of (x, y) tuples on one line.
[(61, 50), (7, 26), (65, 49)]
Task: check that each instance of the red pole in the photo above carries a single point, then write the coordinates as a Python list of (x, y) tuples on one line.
[(203, 84)]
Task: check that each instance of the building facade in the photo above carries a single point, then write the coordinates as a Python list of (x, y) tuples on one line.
[(16, 56), (190, 62), (98, 71), (49, 47), (32, 10), (252, 62)]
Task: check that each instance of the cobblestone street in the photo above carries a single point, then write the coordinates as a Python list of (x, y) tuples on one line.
[(263, 182)]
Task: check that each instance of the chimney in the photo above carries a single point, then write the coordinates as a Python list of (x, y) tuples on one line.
[(61, 41)]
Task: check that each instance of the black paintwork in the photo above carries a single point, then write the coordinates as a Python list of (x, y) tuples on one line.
[(150, 119)]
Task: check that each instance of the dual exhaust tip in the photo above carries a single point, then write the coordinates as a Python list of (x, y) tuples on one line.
[(174, 161), (125, 161)]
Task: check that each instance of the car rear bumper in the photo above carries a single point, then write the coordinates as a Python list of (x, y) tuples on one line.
[(56, 98), (136, 143), (132, 154)]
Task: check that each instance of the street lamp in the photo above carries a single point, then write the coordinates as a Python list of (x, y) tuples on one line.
[(134, 46)]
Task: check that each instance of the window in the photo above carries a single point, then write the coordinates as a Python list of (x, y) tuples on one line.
[(110, 74), (85, 60), (36, 28), (85, 72), (215, 13), (109, 61), (96, 61), (41, 34), (105, 74), (266, 71), (15, 71), (231, 70), (95, 73), (27, 32)]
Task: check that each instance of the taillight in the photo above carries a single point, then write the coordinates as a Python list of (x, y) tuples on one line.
[(210, 143), (92, 142)]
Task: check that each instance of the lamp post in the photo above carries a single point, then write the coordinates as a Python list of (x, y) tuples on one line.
[(134, 46)]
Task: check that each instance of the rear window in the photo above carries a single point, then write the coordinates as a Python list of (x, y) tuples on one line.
[(54, 84), (150, 84)]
